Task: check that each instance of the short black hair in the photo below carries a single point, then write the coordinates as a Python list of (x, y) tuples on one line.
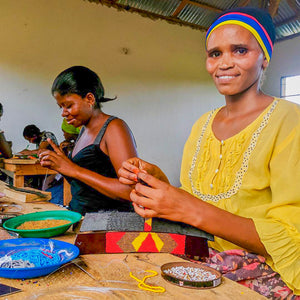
[(81, 81), (31, 131)]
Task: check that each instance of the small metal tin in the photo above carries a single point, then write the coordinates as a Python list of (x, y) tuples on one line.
[(205, 284)]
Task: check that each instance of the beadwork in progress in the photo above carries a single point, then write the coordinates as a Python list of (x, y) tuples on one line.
[(33, 257), (191, 275), (30, 258)]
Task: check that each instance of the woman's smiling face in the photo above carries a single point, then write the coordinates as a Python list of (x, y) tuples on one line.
[(75, 109), (234, 59)]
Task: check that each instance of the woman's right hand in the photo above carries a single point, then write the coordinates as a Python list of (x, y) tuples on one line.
[(57, 160), (131, 167)]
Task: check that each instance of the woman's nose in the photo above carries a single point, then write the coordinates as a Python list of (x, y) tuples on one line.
[(226, 61), (64, 113)]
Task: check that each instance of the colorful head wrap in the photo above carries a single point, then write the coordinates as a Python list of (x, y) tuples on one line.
[(69, 128), (257, 21)]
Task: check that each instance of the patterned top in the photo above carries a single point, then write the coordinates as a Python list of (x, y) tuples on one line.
[(253, 174)]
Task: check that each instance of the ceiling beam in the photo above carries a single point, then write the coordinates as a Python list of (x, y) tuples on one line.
[(180, 7), (273, 7), (183, 3), (293, 5), (205, 6), (244, 3), (287, 21)]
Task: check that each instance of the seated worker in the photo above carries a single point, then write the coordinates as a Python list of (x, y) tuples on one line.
[(103, 144), (5, 146), (70, 134), (33, 134), (240, 168), (56, 186)]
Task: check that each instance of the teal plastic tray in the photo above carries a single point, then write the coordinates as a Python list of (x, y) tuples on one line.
[(15, 222)]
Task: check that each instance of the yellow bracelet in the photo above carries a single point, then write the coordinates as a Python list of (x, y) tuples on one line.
[(146, 287)]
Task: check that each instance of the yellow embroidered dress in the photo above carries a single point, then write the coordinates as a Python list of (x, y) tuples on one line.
[(253, 174)]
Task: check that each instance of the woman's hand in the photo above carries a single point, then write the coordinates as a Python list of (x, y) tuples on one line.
[(28, 152), (57, 160), (162, 200), (64, 144), (131, 167)]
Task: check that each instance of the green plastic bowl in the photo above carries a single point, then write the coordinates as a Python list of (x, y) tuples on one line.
[(15, 222)]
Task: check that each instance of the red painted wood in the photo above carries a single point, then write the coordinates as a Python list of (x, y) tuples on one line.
[(112, 242)]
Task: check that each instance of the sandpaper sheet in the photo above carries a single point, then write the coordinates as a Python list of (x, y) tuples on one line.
[(130, 221)]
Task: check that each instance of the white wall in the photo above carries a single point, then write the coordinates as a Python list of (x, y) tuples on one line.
[(161, 84), (285, 62)]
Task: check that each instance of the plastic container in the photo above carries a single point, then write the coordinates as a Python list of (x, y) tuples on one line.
[(64, 252), (15, 222)]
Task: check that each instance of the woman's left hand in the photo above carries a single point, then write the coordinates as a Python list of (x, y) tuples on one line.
[(57, 160), (162, 200)]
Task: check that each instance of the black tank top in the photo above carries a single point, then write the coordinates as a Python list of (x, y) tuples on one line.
[(85, 198)]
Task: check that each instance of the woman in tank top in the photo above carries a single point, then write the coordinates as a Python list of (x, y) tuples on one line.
[(103, 144)]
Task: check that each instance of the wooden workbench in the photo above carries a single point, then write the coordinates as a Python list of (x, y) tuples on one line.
[(18, 168), (95, 276)]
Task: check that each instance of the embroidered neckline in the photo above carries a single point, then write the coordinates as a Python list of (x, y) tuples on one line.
[(244, 166)]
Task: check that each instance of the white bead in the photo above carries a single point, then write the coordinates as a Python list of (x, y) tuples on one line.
[(211, 185), (217, 170), (221, 156)]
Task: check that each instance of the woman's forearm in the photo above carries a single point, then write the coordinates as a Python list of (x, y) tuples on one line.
[(238, 230), (110, 187)]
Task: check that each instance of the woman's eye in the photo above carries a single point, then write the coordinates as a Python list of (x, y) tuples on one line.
[(214, 54), (241, 50)]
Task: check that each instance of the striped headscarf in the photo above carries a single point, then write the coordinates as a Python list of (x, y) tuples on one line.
[(257, 21)]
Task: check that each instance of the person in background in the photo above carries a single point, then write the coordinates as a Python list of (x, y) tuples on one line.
[(103, 144), (5, 146), (240, 168), (35, 136), (56, 186), (70, 134)]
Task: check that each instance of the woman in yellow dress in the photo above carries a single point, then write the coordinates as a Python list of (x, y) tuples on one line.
[(241, 165)]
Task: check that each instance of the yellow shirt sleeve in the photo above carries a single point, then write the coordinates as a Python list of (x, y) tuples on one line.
[(279, 231)]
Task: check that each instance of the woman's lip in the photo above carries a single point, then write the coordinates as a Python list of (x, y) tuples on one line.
[(226, 78)]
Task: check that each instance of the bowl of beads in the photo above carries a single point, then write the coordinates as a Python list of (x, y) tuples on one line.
[(32, 257), (42, 224), (191, 275)]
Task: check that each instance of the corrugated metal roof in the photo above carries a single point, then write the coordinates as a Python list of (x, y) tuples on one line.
[(199, 14)]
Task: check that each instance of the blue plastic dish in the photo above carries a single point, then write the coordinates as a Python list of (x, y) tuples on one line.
[(54, 253)]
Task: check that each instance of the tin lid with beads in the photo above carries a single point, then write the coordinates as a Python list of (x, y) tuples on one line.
[(191, 275)]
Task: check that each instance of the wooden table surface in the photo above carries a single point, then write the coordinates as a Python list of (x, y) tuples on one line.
[(106, 276), (18, 168)]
